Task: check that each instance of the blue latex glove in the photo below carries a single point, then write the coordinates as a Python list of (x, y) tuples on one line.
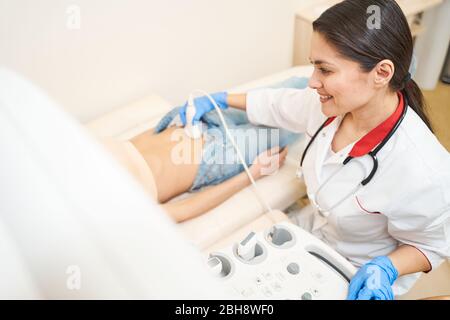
[(373, 280), (204, 105)]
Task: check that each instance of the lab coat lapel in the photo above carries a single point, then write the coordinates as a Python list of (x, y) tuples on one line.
[(324, 139)]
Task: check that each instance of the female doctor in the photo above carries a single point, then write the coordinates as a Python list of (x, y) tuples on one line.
[(377, 177)]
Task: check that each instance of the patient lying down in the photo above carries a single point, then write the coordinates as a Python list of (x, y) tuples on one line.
[(168, 163)]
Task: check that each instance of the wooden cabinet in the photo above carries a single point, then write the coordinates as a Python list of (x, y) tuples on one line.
[(413, 10)]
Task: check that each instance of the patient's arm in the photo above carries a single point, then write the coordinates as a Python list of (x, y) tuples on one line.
[(206, 200)]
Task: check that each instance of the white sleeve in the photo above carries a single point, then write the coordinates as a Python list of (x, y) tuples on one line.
[(424, 223), (287, 108)]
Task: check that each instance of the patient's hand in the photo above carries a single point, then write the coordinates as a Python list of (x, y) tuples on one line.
[(268, 162)]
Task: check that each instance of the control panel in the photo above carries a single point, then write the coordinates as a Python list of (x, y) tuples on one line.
[(283, 262)]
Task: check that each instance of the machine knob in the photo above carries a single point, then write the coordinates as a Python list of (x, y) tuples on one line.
[(280, 236), (247, 247), (215, 265)]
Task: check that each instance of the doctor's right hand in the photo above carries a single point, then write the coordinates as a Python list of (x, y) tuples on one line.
[(374, 280), (204, 105)]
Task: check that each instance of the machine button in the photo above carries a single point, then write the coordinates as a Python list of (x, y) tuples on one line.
[(247, 292), (293, 268), (280, 276), (276, 286), (267, 292), (318, 276), (268, 276), (306, 296), (314, 292)]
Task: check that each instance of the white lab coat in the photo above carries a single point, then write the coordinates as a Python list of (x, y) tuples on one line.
[(406, 202)]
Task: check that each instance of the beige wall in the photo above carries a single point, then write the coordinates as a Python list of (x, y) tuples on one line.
[(127, 48)]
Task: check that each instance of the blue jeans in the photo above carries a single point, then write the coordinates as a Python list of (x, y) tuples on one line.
[(220, 160)]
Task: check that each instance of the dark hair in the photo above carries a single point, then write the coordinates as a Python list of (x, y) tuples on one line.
[(345, 27)]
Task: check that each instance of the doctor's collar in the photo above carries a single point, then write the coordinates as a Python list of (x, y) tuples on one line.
[(376, 135)]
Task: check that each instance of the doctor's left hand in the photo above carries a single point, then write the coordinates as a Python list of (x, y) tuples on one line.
[(204, 105), (373, 280)]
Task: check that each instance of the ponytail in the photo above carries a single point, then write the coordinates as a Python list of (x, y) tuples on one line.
[(416, 101)]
